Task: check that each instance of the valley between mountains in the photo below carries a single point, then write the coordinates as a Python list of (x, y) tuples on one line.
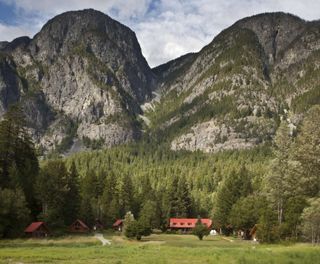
[(84, 84)]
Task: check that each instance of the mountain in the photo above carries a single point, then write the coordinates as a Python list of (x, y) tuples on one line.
[(234, 92), (82, 78), (84, 83)]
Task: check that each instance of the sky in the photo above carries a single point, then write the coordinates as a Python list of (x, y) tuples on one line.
[(166, 29)]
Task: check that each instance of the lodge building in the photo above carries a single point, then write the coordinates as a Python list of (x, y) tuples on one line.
[(187, 224)]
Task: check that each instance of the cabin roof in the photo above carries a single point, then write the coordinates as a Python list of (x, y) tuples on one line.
[(34, 226), (188, 222), (117, 222), (82, 224)]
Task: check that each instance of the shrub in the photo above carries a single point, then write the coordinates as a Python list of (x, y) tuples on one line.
[(200, 230)]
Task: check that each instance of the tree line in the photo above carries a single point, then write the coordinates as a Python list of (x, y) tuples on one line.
[(273, 187)]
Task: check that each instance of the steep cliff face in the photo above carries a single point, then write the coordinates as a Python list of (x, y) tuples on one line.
[(233, 93), (83, 77), (83, 82), (275, 32), (9, 83)]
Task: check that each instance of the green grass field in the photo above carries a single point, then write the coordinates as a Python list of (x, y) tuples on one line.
[(154, 249)]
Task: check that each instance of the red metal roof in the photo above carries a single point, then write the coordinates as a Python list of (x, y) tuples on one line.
[(188, 222), (34, 226), (117, 222)]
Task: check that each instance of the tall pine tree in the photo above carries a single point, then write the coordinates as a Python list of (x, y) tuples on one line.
[(72, 198), (18, 162)]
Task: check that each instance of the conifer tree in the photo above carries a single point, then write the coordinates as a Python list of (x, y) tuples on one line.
[(148, 214), (277, 179), (245, 213), (52, 189), (200, 230), (72, 196), (306, 154), (18, 162), (110, 199), (234, 186), (14, 214), (311, 221)]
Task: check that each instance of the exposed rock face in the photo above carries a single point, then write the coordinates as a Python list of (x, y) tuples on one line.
[(275, 31), (164, 71), (82, 76), (3, 44), (233, 93), (9, 83), (83, 81)]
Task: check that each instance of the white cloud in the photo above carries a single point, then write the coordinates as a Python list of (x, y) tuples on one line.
[(124, 8), (11, 32), (184, 26), (170, 29)]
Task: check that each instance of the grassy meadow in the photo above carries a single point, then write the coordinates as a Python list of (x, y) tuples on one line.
[(154, 249)]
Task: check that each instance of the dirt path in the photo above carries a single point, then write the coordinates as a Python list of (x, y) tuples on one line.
[(102, 239), (230, 240)]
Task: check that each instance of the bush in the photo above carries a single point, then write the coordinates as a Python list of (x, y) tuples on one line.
[(135, 229), (200, 230)]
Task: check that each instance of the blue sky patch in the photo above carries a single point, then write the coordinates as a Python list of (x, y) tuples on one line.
[(7, 14)]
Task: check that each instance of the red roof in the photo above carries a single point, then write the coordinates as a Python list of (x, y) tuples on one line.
[(188, 222), (118, 222), (34, 226)]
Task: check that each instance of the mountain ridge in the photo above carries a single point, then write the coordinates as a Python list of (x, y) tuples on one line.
[(84, 83), (241, 69), (89, 71)]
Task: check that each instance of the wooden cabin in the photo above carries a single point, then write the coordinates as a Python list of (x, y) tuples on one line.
[(187, 224), (253, 233), (118, 224), (98, 225), (79, 227), (37, 230)]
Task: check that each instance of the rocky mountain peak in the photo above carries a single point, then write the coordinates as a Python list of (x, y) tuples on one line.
[(83, 82), (81, 78), (275, 31), (64, 31), (234, 92), (94, 33)]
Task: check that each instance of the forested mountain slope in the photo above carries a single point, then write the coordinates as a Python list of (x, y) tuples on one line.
[(232, 94), (250, 99)]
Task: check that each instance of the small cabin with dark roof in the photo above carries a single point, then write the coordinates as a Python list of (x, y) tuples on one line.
[(79, 227), (98, 225), (118, 224), (37, 229)]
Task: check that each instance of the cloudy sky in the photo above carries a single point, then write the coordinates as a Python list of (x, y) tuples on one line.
[(165, 29)]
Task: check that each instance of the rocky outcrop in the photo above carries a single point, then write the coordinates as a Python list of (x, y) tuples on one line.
[(233, 93), (170, 69), (82, 76), (9, 84), (83, 82), (275, 31)]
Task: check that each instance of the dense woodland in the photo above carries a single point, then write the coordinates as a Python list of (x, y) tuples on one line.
[(274, 186)]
